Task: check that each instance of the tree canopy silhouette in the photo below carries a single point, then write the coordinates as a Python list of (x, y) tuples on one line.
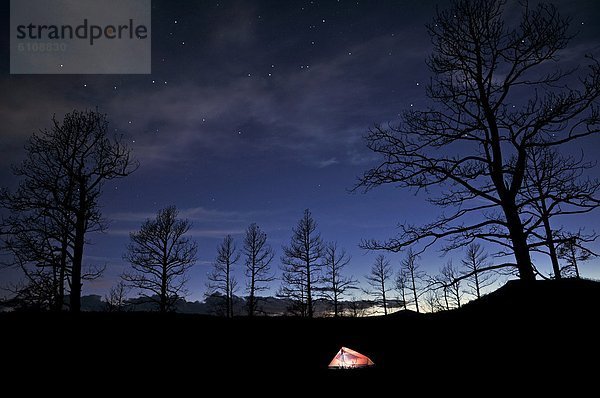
[(498, 93), (378, 279), (555, 187), (221, 279), (160, 255), (301, 264), (335, 284), (57, 203), (259, 255)]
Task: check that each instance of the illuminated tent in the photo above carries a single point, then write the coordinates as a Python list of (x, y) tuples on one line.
[(350, 359)]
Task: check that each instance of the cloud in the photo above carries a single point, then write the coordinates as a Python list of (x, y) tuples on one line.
[(326, 163), (311, 114), (302, 112), (206, 223), (192, 213)]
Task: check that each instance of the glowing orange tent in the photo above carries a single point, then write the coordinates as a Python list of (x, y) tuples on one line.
[(350, 359)]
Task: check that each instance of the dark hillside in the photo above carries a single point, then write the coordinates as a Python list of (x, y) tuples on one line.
[(524, 327)]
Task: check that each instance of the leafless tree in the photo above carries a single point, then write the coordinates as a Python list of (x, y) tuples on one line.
[(356, 307), (432, 301), (221, 278), (301, 264), (402, 281), (57, 203), (476, 260), (31, 244), (410, 266), (555, 187), (336, 285), (116, 297), (36, 292), (259, 255), (403, 287), (498, 92), (379, 279), (449, 275), (572, 252), (160, 255)]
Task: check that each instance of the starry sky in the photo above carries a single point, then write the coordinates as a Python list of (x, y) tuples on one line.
[(254, 111)]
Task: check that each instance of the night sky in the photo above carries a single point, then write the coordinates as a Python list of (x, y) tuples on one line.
[(254, 111)]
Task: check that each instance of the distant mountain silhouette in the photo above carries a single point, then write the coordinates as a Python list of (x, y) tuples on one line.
[(270, 306)]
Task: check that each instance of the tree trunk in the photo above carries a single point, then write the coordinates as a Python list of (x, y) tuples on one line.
[(60, 300), (414, 289), (383, 296), (335, 302), (574, 257), (519, 243), (227, 292), (308, 292), (163, 289), (446, 299), (549, 237), (79, 241), (477, 290), (251, 298)]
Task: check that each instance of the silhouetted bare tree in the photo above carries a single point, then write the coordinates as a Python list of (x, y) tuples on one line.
[(160, 255), (410, 266), (573, 253), (451, 284), (379, 279), (57, 203), (259, 255), (497, 97), (555, 187), (336, 285), (301, 264), (474, 262), (402, 280), (116, 297), (29, 244), (37, 292), (357, 308), (221, 278), (432, 301)]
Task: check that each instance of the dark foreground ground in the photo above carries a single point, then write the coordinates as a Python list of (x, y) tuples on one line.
[(532, 333)]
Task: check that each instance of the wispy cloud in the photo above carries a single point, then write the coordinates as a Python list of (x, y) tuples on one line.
[(327, 162), (193, 214)]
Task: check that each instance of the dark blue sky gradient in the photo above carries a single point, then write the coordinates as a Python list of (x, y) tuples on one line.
[(255, 110)]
